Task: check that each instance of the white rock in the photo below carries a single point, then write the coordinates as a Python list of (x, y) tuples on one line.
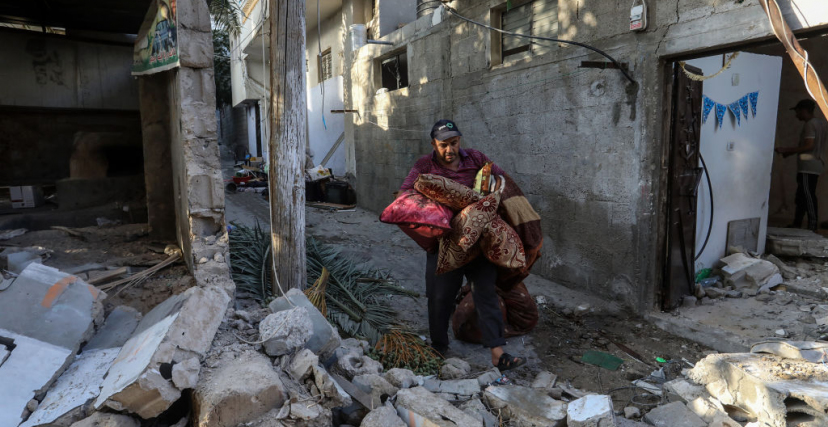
[(185, 374), (384, 416), (402, 378), (590, 411), (285, 331), (523, 405), (454, 368)]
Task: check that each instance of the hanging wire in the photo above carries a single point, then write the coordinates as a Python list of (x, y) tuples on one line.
[(319, 61), (550, 39)]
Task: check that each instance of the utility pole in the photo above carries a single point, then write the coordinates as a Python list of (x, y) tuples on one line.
[(287, 116)]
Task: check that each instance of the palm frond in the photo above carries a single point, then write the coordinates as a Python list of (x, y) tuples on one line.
[(226, 14)]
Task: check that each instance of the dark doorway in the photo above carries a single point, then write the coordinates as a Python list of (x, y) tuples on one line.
[(684, 177)]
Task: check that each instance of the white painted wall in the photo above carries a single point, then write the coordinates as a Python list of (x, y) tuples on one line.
[(741, 178), (51, 71), (322, 139), (250, 110)]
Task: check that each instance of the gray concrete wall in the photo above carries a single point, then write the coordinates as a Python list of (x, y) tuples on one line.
[(584, 144), (58, 72)]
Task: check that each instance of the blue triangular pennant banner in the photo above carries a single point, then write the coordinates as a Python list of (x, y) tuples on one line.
[(708, 106), (754, 99), (734, 108), (720, 111), (743, 103)]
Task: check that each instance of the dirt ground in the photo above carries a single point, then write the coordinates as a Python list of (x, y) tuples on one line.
[(112, 246)]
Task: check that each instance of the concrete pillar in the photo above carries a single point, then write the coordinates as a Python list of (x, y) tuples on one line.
[(197, 180), (353, 12), (153, 92)]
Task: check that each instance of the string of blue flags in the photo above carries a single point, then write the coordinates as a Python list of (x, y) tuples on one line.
[(738, 108)]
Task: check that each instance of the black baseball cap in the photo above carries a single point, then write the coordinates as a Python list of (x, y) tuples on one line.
[(807, 104), (444, 129)]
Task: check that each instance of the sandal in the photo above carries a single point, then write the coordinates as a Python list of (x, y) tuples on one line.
[(507, 361)]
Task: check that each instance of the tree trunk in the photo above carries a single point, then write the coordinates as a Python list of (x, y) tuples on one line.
[(287, 115)]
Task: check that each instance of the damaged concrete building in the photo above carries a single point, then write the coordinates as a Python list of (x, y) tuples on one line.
[(91, 140), (596, 153)]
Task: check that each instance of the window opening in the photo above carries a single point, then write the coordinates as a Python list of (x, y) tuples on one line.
[(325, 65), (395, 72), (529, 17)]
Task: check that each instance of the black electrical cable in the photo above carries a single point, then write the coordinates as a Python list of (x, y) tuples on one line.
[(550, 39), (710, 190)]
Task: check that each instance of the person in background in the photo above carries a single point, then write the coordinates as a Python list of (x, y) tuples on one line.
[(810, 162)]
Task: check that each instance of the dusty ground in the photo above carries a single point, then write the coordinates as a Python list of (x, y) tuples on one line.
[(113, 246)]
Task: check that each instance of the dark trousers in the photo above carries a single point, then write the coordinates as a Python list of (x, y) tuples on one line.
[(442, 294), (806, 200)]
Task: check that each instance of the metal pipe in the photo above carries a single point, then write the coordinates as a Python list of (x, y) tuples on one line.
[(380, 42)]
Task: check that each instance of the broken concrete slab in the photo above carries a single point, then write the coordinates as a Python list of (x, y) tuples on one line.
[(673, 414), (454, 368), (796, 242), (683, 390), (488, 377), (544, 380), (81, 382), (458, 387), (238, 391), (335, 396), (103, 419), (590, 411), (416, 405), (301, 366), (402, 378), (384, 416), (185, 374), (770, 388), (527, 406), (707, 408), (47, 314), (477, 409), (377, 387), (352, 364), (286, 331), (324, 339), (178, 329)]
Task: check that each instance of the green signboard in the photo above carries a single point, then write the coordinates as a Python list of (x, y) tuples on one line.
[(156, 48)]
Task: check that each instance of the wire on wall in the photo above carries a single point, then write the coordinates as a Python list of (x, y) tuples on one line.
[(550, 39), (319, 59)]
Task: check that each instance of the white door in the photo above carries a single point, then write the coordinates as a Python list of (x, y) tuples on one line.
[(739, 155)]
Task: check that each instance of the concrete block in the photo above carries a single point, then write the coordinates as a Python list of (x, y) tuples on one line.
[(384, 416), (310, 414), (194, 15), (103, 419), (238, 391), (707, 408), (454, 368), (178, 329), (684, 390), (418, 404), (286, 331), (590, 411), (673, 414), (47, 314), (526, 405), (325, 339), (333, 394), (301, 367), (376, 386), (461, 387), (352, 364), (631, 412), (402, 378), (185, 374), (478, 410), (756, 384), (544, 380), (487, 377), (118, 327)]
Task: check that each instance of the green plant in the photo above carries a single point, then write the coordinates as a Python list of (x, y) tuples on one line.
[(250, 260), (400, 348)]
